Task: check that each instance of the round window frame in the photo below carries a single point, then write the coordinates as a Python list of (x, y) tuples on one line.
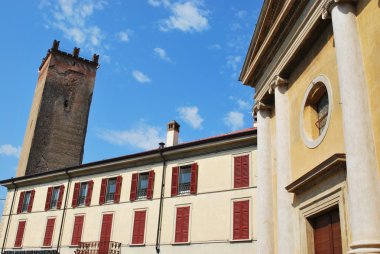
[(307, 140)]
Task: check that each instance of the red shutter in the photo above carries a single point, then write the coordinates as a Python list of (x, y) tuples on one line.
[(105, 234), (89, 193), (182, 225), (194, 178), (245, 171), (241, 171), (237, 172), (60, 198), (20, 233), (30, 206), (135, 180), (49, 232), (175, 172), (20, 201), (48, 198), (77, 231), (119, 181), (139, 227), (241, 220), (103, 189), (149, 194), (74, 202)]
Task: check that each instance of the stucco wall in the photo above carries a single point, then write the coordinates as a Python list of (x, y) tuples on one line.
[(368, 19), (210, 217), (320, 60)]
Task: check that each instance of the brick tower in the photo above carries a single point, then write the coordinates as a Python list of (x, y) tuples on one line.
[(57, 125)]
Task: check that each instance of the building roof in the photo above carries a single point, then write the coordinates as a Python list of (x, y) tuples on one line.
[(158, 151)]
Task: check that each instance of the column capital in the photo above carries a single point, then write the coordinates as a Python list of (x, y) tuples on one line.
[(327, 7), (261, 106), (276, 82)]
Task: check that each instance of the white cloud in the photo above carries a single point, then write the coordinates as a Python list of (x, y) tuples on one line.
[(156, 3), (124, 36), (215, 46), (186, 16), (161, 53), (143, 136), (234, 120), (191, 116), (73, 17), (233, 61), (141, 77), (243, 104), (9, 150), (241, 14)]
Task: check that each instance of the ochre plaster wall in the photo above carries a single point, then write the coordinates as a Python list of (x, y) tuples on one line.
[(321, 60), (368, 19)]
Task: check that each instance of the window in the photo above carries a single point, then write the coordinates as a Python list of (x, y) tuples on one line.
[(82, 194), (77, 230), (25, 202), (142, 185), (241, 220), (316, 111), (49, 232), (241, 171), (184, 179), (139, 227), (110, 190), (54, 198), (20, 234), (182, 225)]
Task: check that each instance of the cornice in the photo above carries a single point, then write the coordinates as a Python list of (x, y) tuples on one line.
[(302, 28)]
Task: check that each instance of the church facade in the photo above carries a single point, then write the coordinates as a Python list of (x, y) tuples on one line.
[(315, 69)]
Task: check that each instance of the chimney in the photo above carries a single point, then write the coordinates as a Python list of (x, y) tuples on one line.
[(172, 134)]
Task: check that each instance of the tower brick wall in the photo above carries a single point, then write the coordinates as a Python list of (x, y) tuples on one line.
[(57, 125)]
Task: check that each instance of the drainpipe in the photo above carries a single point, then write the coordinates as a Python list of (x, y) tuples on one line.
[(10, 215), (64, 211), (158, 239)]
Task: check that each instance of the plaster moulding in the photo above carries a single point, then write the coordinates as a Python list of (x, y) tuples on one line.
[(276, 82), (326, 13)]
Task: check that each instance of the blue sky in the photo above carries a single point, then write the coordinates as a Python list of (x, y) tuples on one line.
[(161, 60)]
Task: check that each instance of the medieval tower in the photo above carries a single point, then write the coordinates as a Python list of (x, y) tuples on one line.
[(56, 130)]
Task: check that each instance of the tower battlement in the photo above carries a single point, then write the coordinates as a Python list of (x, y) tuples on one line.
[(75, 55)]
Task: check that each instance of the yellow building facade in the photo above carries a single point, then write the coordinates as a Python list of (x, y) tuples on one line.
[(314, 66)]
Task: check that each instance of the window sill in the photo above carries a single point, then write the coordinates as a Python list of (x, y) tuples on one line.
[(47, 247), (73, 246), (181, 243), (137, 244), (17, 248), (241, 240)]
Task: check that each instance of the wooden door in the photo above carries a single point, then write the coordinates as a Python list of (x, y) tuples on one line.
[(327, 235), (105, 234)]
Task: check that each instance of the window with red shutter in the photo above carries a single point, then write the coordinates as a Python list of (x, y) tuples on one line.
[(241, 171), (241, 220), (105, 234), (48, 198), (74, 202), (134, 183), (182, 225), (174, 189), (77, 230), (139, 227), (89, 193), (103, 189), (20, 234), (194, 178), (30, 206), (149, 194), (119, 181), (20, 202), (49, 232), (60, 198)]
